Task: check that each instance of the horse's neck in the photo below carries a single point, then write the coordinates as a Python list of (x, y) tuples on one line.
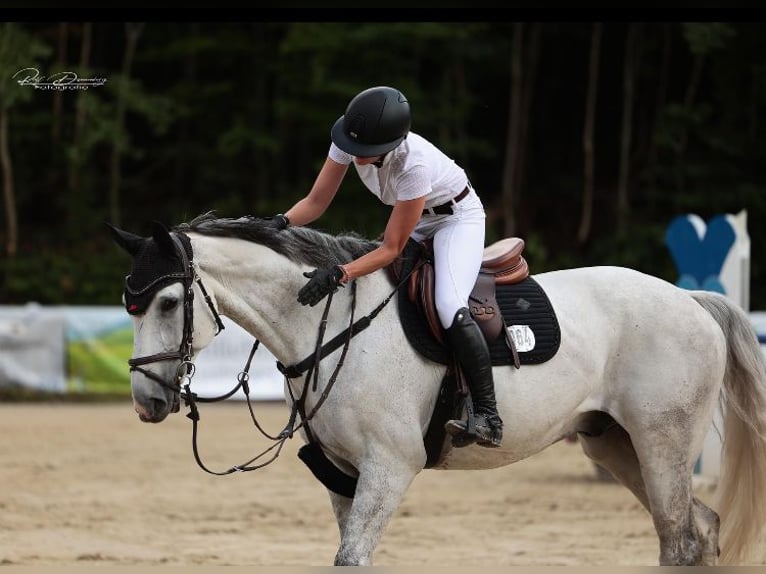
[(257, 289)]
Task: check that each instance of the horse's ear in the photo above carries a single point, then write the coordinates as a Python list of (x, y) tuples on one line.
[(161, 236), (130, 242)]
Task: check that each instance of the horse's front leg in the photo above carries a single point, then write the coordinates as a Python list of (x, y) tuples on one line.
[(341, 506), (384, 477)]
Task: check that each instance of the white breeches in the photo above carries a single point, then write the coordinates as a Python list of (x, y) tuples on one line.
[(458, 249)]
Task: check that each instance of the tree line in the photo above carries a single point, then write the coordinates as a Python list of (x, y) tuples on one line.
[(585, 139)]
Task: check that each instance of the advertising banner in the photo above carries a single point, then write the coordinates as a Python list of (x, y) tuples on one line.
[(32, 349), (86, 350)]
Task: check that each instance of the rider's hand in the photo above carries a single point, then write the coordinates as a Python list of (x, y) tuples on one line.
[(280, 221), (321, 283)]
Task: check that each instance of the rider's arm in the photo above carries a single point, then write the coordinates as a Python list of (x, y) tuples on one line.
[(402, 221), (321, 195)]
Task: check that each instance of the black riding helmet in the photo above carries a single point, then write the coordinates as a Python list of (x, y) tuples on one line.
[(375, 122)]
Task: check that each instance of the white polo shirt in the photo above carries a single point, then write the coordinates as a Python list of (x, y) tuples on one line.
[(415, 168)]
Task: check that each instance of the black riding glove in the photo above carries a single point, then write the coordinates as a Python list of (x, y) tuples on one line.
[(321, 283), (279, 221)]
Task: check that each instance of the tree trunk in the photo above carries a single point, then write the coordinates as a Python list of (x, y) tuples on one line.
[(260, 188), (61, 61), (514, 131), (532, 59), (689, 98), (132, 32), (9, 194), (755, 99), (185, 126), (461, 92), (628, 80), (447, 105), (76, 162), (659, 105), (587, 139)]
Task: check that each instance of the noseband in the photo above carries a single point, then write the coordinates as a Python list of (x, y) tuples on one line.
[(186, 368)]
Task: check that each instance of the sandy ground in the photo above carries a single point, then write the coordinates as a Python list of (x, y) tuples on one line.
[(90, 484)]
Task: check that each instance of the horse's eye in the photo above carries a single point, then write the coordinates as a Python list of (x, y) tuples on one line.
[(168, 304)]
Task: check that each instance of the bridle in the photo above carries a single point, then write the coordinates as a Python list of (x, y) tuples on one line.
[(310, 365), (188, 276)]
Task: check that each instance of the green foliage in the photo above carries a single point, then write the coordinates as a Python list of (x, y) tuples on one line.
[(706, 37), (158, 110), (235, 117), (90, 276), (19, 51), (102, 127)]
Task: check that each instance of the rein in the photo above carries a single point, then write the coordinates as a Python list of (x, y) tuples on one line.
[(310, 365)]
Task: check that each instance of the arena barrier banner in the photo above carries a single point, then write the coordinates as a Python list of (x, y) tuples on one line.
[(220, 363), (86, 350), (32, 349), (99, 344)]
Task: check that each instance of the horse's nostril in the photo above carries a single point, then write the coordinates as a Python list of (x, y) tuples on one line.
[(158, 407)]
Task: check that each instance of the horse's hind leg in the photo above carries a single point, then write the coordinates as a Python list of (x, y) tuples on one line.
[(687, 529), (612, 449), (708, 524), (688, 535), (676, 516)]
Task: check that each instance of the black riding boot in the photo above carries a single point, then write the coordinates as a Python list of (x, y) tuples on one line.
[(470, 349)]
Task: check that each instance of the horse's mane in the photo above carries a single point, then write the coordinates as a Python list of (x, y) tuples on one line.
[(297, 243)]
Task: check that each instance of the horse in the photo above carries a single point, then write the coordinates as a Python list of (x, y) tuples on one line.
[(641, 368)]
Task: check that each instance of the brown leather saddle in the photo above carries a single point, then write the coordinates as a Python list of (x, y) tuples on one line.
[(502, 264)]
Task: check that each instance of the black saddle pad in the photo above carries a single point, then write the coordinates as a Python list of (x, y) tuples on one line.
[(528, 314)]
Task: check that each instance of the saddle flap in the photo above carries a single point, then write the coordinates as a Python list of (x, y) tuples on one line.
[(484, 307), (413, 285), (427, 302)]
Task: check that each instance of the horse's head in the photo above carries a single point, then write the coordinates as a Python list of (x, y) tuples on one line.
[(172, 319)]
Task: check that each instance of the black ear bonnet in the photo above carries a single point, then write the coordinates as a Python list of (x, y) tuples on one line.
[(155, 265)]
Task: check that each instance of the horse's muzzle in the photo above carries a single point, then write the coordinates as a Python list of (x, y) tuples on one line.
[(156, 410)]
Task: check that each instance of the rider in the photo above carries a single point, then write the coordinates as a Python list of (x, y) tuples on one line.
[(431, 198)]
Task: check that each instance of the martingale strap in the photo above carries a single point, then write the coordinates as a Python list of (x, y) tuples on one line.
[(296, 370)]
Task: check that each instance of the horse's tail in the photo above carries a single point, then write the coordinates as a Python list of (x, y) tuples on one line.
[(741, 493)]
